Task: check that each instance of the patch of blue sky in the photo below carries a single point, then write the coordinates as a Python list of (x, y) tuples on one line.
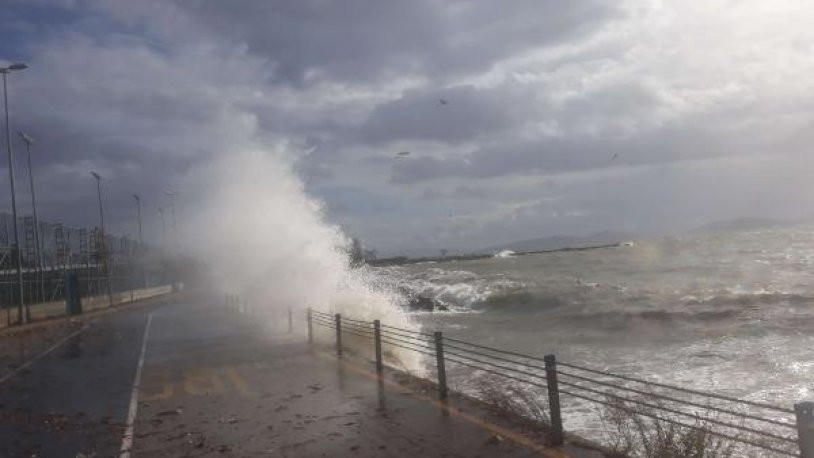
[(24, 25)]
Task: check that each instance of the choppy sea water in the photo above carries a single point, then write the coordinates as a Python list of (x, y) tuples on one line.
[(731, 313)]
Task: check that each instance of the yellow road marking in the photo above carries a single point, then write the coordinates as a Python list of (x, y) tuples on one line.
[(240, 384), (538, 447), (160, 386), (165, 393), (202, 381), (156, 386)]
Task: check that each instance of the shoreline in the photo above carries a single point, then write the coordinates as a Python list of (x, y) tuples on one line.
[(401, 260)]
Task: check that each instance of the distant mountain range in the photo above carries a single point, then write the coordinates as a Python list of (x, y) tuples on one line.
[(600, 239), (555, 242)]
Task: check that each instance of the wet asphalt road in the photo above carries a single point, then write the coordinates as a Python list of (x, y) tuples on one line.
[(219, 383), (74, 400)]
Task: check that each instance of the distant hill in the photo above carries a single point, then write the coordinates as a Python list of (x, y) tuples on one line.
[(740, 224), (561, 241)]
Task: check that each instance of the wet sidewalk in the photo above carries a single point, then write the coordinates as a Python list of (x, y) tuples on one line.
[(216, 383), (65, 385), (220, 385)]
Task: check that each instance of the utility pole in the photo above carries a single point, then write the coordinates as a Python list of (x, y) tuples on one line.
[(37, 247), (171, 195), (138, 215), (174, 250), (140, 250), (105, 256), (163, 227), (23, 316)]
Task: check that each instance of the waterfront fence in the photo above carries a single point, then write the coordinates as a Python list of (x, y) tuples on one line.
[(758, 426)]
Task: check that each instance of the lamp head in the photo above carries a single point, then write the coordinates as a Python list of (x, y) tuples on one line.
[(25, 138), (96, 175)]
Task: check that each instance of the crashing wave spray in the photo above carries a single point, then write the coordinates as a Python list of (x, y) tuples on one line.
[(267, 240)]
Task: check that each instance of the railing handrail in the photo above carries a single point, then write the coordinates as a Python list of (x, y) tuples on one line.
[(678, 401), (676, 422), (461, 352), (678, 388)]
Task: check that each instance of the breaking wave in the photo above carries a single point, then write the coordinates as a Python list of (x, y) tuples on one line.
[(585, 302), (504, 254), (270, 242), (749, 299), (664, 316)]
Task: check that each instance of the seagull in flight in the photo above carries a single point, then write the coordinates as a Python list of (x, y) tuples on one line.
[(403, 154), (443, 101)]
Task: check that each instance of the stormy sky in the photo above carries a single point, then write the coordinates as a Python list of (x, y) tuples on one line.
[(522, 119)]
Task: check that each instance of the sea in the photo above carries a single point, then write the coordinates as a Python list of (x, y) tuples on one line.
[(726, 312)]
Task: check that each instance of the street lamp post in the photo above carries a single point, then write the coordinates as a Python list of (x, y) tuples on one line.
[(22, 316), (174, 250), (138, 216), (102, 237), (171, 195), (37, 248), (140, 249), (163, 227)]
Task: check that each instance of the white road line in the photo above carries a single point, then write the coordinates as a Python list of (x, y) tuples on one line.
[(127, 439), (33, 360)]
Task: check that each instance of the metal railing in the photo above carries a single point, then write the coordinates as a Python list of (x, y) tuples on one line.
[(758, 425)]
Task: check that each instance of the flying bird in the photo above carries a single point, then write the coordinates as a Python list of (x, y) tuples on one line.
[(443, 102), (615, 155), (403, 154)]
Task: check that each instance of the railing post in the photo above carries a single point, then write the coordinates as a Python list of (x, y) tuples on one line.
[(377, 340), (310, 330), (338, 334), (442, 371), (804, 411), (290, 322), (556, 435)]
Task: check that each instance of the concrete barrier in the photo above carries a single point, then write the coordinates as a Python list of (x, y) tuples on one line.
[(123, 297), (46, 310)]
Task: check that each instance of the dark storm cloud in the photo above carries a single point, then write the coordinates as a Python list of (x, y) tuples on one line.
[(363, 40), (62, 158), (426, 168), (561, 155), (98, 97), (600, 128), (456, 114)]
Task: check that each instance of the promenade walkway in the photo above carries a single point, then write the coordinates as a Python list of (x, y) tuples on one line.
[(217, 383)]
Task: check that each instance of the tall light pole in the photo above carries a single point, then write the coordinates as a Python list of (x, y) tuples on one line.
[(21, 317), (37, 248), (163, 226), (171, 195), (138, 216), (140, 249), (102, 237)]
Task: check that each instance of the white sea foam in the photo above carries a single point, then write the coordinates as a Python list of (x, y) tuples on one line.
[(267, 240), (458, 290), (504, 254)]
